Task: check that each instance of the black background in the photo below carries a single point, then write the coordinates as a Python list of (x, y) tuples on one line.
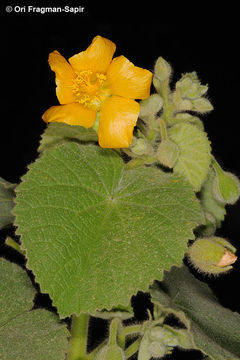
[(198, 40)]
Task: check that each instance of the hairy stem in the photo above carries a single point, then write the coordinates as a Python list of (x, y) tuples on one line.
[(79, 335), (132, 349)]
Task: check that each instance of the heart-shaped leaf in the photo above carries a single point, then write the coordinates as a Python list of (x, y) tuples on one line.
[(96, 233)]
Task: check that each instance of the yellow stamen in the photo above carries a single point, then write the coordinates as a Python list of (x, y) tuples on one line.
[(90, 89)]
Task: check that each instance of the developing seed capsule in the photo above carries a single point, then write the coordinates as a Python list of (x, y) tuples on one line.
[(212, 255), (225, 186)]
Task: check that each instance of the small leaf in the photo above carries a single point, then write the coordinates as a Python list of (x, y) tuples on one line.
[(209, 203), (215, 329), (96, 233), (194, 153), (57, 133), (6, 202), (26, 334)]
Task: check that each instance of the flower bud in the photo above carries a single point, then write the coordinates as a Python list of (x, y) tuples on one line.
[(167, 153), (212, 255), (110, 352), (141, 147), (190, 87), (185, 105), (156, 349), (225, 186), (162, 69), (150, 348), (150, 106), (171, 336), (202, 105)]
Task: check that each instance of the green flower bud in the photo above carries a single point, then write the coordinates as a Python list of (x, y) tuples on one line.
[(141, 147), (190, 87), (171, 336), (225, 186), (164, 335), (202, 105), (162, 69), (212, 255), (156, 349), (110, 352), (167, 153), (150, 106), (185, 105)]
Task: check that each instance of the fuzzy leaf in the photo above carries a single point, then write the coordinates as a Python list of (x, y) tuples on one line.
[(26, 334), (215, 329), (6, 202), (194, 153), (96, 233), (57, 133), (209, 203)]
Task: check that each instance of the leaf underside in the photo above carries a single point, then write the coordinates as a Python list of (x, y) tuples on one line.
[(24, 334), (6, 202), (96, 233), (215, 329)]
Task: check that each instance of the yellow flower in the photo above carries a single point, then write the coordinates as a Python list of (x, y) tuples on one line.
[(93, 82)]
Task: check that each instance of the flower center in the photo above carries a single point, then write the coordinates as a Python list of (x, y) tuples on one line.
[(90, 89)]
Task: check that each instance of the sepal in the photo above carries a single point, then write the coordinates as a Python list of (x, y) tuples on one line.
[(150, 106), (212, 255), (167, 153), (225, 186), (110, 352)]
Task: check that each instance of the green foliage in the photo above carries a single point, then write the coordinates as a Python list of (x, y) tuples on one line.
[(6, 202), (96, 233), (58, 133), (25, 333), (194, 153), (215, 329)]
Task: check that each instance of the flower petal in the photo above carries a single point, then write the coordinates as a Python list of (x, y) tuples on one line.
[(118, 116), (97, 57), (64, 77), (72, 114), (128, 80)]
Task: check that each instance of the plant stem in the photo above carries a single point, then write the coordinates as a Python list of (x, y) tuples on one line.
[(113, 330), (163, 129), (131, 330), (12, 243), (79, 335), (132, 349), (91, 355)]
